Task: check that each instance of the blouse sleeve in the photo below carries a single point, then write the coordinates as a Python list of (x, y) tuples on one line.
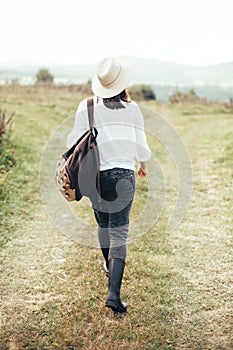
[(80, 125), (143, 152)]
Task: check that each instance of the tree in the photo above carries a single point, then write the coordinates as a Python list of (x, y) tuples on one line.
[(43, 76), (192, 92)]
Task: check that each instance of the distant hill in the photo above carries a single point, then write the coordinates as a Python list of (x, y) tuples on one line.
[(161, 72), (66, 74), (150, 71)]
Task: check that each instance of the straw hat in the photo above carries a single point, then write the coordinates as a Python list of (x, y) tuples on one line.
[(113, 75)]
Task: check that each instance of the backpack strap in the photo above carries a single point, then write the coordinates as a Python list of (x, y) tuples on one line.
[(90, 109)]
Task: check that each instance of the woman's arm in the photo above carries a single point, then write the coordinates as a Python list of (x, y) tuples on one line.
[(81, 124), (143, 150), (142, 170)]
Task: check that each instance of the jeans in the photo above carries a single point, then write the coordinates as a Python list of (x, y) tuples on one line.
[(112, 214)]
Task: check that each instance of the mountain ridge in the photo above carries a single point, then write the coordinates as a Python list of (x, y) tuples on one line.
[(146, 70)]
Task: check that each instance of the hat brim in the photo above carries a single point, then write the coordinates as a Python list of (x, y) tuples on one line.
[(120, 84)]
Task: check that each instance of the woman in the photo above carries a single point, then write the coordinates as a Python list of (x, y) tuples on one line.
[(121, 139)]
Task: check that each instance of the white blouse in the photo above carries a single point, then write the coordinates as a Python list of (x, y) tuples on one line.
[(121, 137)]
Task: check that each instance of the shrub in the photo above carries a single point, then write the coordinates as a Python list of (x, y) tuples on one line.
[(148, 92), (189, 97), (7, 160), (142, 92), (43, 76)]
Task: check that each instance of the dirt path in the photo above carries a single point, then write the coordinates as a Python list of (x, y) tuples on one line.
[(202, 246)]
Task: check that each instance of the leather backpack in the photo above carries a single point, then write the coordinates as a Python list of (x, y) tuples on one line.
[(77, 172)]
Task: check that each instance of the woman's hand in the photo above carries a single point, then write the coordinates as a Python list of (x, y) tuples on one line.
[(142, 170)]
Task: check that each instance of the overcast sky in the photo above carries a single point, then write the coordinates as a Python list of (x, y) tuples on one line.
[(198, 32)]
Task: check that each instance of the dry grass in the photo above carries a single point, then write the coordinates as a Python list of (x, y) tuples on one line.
[(178, 286)]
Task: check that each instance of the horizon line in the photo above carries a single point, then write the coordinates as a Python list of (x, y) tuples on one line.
[(17, 62)]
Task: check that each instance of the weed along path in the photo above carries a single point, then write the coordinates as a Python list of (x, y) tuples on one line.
[(178, 285)]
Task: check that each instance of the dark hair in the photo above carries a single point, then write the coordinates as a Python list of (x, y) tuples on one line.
[(115, 101)]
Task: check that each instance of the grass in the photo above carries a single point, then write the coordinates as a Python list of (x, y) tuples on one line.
[(177, 286)]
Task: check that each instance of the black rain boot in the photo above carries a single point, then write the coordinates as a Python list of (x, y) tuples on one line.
[(116, 270), (105, 252)]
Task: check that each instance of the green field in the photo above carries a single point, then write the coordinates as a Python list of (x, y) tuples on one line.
[(178, 285)]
